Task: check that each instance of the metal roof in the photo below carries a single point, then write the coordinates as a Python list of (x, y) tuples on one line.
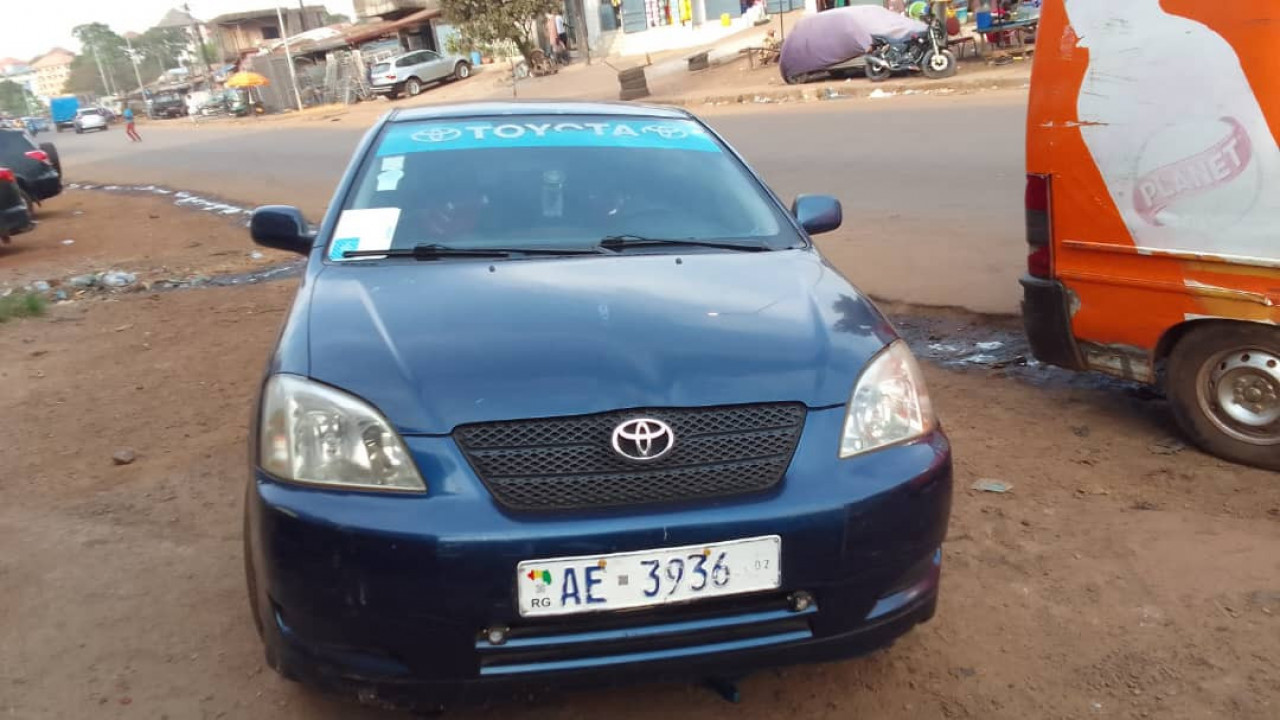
[(263, 14), (361, 33), (534, 107)]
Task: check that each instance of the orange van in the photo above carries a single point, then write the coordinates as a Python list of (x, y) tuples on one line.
[(1153, 207)]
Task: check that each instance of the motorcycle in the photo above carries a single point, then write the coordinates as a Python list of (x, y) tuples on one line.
[(924, 52)]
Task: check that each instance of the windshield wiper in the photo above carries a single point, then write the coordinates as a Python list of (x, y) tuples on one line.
[(432, 251), (618, 242)]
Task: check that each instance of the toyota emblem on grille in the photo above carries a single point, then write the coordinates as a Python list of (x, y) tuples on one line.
[(643, 439)]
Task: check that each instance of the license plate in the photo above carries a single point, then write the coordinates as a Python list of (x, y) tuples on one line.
[(595, 583)]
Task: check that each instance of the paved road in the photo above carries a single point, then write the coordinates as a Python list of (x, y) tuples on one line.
[(932, 186)]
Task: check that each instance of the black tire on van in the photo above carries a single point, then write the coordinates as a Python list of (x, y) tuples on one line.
[(1223, 383)]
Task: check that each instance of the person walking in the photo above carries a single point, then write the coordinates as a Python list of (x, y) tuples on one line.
[(129, 128), (562, 39)]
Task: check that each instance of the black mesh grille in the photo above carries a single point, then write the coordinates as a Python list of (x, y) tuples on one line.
[(568, 463)]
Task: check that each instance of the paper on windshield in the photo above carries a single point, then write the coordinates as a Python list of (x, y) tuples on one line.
[(365, 229)]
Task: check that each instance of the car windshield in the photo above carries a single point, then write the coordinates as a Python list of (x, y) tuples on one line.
[(554, 183)]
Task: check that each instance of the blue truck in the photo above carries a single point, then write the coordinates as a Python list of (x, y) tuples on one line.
[(63, 110)]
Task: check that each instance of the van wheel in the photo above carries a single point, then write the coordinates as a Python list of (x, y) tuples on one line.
[(1224, 387), (412, 87)]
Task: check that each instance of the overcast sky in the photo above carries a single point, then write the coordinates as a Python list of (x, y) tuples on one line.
[(30, 27)]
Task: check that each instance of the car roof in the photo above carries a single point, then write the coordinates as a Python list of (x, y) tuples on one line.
[(519, 109)]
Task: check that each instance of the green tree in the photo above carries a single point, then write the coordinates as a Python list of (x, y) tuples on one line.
[(336, 18), (160, 49), (486, 21), (15, 99), (102, 43)]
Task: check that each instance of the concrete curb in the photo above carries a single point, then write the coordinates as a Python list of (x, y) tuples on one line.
[(846, 91)]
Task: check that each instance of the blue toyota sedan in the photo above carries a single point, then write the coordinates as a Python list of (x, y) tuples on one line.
[(567, 396)]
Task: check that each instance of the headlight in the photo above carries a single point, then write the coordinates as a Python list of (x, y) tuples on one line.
[(889, 403), (312, 433)]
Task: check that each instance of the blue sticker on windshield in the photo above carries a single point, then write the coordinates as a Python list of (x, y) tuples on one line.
[(474, 135), (342, 245)]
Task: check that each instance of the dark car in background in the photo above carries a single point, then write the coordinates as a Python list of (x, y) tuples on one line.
[(568, 396), (15, 214), (37, 168), (167, 105)]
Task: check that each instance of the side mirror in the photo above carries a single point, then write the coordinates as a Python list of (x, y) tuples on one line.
[(281, 227), (817, 213)]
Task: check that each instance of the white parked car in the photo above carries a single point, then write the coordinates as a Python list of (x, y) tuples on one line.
[(410, 72), (90, 119)]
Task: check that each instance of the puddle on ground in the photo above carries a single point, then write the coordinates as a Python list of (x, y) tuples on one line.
[(997, 346)]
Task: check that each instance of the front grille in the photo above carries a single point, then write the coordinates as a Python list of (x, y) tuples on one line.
[(569, 463)]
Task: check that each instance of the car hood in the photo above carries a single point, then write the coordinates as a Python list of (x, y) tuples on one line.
[(439, 344)]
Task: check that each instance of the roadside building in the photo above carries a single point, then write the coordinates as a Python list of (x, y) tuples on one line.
[(238, 34), (196, 31), (52, 70), (18, 72), (414, 23)]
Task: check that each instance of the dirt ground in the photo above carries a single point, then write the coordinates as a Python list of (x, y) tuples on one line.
[(160, 242), (1121, 577)]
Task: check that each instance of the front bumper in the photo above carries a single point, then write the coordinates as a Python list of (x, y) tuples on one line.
[(363, 590)]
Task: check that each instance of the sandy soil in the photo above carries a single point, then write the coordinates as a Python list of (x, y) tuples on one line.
[(1120, 578)]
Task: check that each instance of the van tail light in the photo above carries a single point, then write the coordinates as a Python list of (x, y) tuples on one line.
[(1038, 264), (6, 175), (39, 155), (1039, 205)]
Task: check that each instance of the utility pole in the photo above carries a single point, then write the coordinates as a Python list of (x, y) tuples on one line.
[(142, 92), (106, 87), (288, 56)]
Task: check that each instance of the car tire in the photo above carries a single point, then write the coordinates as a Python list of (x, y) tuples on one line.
[(79, 131), (938, 65), (462, 71), (1223, 383), (30, 201), (54, 160), (412, 87)]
